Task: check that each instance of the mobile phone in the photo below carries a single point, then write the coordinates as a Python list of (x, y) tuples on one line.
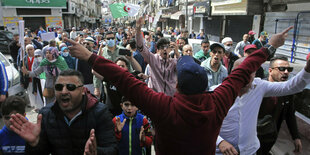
[(172, 39), (124, 51)]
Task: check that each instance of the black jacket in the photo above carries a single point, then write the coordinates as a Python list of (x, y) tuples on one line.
[(14, 50), (281, 108), (232, 58), (57, 137)]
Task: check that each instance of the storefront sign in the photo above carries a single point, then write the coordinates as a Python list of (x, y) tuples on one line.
[(35, 3), (52, 22), (11, 23)]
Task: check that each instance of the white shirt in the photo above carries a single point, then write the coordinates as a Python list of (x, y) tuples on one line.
[(73, 34), (240, 48), (239, 126)]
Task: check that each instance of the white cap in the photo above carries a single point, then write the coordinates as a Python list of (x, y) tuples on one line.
[(90, 39), (226, 39), (73, 28)]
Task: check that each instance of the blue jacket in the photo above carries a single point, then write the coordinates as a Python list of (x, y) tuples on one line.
[(10, 142), (4, 82), (130, 135)]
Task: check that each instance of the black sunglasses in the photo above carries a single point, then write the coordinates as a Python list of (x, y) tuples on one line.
[(70, 87), (111, 38), (282, 69)]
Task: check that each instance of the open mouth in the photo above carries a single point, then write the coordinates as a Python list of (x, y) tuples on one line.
[(65, 99), (216, 59)]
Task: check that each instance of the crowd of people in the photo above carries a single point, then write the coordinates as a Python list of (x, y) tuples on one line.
[(118, 90)]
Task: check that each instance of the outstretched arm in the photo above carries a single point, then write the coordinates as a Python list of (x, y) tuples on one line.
[(125, 82), (227, 92)]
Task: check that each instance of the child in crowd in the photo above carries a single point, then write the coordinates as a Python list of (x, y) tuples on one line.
[(132, 130), (10, 142)]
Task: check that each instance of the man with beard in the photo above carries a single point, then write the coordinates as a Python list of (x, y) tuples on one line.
[(261, 41), (238, 134), (75, 124), (216, 72), (188, 122), (279, 108)]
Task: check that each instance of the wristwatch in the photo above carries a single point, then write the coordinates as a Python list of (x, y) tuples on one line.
[(271, 50)]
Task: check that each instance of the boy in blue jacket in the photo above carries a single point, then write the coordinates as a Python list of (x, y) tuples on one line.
[(132, 130), (10, 142)]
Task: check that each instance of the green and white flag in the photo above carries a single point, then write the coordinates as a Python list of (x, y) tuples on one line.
[(121, 10)]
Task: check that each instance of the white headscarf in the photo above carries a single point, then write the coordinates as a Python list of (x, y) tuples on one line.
[(36, 61)]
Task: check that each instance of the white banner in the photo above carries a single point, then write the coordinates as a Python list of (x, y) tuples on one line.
[(48, 36), (156, 19), (21, 29)]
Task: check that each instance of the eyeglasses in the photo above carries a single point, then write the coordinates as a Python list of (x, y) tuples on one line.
[(214, 52), (229, 45), (282, 69), (70, 87), (111, 38), (164, 47), (36, 56)]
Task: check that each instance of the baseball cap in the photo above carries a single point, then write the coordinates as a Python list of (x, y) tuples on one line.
[(216, 44), (250, 46), (73, 28), (90, 39), (264, 33), (192, 78), (251, 32)]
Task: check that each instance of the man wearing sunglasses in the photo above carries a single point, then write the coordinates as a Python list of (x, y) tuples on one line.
[(75, 124), (279, 108), (238, 134), (188, 122)]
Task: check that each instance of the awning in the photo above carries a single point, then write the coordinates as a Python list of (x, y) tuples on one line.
[(176, 15)]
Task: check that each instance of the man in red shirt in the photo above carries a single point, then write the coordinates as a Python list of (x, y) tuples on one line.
[(188, 122)]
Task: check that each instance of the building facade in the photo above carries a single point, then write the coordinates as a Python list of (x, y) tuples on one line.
[(35, 13)]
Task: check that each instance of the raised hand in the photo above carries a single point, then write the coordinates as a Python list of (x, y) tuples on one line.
[(78, 51), (91, 144), (140, 22), (119, 125), (227, 149), (278, 39), (30, 132)]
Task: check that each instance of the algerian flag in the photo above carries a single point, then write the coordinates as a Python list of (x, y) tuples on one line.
[(122, 10)]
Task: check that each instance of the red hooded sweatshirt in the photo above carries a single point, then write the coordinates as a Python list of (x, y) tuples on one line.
[(184, 124)]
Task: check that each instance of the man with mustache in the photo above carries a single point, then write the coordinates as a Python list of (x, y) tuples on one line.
[(188, 122), (238, 133), (76, 123), (279, 108)]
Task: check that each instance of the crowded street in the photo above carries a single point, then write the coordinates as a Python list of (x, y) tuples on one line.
[(146, 77)]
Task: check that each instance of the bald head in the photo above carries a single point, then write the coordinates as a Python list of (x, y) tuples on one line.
[(238, 62)]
